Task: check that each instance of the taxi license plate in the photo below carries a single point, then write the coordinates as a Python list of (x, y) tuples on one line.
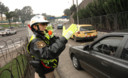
[(88, 34)]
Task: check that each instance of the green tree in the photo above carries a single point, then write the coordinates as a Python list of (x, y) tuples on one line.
[(9, 16), (73, 8), (67, 12), (3, 9), (17, 15), (26, 14)]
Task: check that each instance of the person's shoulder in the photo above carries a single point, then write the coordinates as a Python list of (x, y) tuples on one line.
[(37, 40), (39, 43)]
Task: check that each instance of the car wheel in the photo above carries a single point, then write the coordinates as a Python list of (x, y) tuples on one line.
[(76, 63)]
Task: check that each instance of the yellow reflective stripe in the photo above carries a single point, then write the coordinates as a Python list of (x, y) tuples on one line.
[(32, 37), (55, 65), (47, 62), (47, 36), (27, 48)]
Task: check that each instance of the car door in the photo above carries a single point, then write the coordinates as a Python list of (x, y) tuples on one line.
[(120, 65), (99, 58)]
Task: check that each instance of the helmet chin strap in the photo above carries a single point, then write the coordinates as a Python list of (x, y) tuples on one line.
[(39, 31)]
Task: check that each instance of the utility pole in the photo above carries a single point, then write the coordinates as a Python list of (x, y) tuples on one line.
[(77, 12), (73, 2)]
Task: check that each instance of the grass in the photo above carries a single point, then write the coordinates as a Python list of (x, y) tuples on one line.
[(7, 25), (15, 68)]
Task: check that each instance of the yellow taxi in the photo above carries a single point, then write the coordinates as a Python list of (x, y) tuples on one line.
[(84, 32)]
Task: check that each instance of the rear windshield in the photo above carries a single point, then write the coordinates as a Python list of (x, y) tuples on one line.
[(59, 24), (87, 28)]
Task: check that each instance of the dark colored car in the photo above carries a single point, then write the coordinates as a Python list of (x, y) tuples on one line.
[(59, 26), (107, 57)]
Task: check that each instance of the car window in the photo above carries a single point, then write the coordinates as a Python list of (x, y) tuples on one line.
[(124, 54), (108, 45), (60, 25), (85, 28)]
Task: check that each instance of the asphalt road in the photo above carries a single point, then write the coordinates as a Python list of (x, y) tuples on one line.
[(21, 32)]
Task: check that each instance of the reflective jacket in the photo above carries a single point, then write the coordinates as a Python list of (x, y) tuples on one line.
[(47, 51)]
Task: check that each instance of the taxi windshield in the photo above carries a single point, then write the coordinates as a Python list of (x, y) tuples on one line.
[(87, 28)]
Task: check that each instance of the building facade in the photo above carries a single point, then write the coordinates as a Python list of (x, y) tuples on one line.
[(2, 19)]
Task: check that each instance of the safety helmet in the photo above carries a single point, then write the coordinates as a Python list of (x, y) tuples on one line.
[(38, 19)]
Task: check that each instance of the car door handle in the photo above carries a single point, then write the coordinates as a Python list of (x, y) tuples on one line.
[(104, 63)]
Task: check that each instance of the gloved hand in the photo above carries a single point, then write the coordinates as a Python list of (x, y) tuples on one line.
[(70, 31), (49, 34), (49, 27)]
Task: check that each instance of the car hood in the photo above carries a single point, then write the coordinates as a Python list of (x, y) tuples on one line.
[(79, 47), (73, 48)]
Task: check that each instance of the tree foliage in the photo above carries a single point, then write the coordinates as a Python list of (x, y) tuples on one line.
[(17, 14), (3, 9), (9, 16), (26, 13), (73, 8), (105, 14), (67, 12), (103, 7)]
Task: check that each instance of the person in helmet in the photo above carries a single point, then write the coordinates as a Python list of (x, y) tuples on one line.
[(44, 47)]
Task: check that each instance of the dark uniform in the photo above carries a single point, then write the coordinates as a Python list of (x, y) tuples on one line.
[(45, 53)]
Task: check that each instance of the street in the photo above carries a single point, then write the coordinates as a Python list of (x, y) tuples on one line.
[(65, 68), (21, 32), (33, 35)]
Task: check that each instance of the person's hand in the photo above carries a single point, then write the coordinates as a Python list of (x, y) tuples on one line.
[(70, 31), (49, 34), (49, 27)]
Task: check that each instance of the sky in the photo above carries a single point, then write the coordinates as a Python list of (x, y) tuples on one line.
[(50, 7)]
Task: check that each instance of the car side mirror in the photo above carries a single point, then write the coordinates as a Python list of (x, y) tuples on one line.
[(86, 47)]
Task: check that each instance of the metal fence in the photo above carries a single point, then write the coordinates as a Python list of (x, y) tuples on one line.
[(14, 59), (110, 22)]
